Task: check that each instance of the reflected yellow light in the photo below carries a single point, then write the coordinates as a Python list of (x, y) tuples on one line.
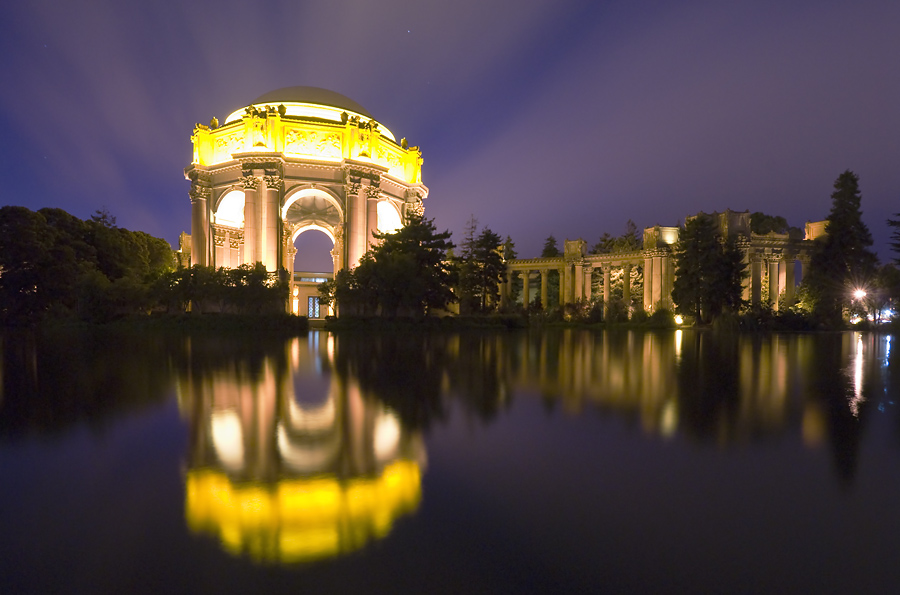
[(300, 520)]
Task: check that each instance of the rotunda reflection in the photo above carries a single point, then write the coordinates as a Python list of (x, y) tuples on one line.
[(290, 463)]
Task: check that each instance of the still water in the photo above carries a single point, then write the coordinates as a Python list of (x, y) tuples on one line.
[(561, 462)]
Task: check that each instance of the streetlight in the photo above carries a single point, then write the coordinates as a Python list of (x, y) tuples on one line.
[(859, 294)]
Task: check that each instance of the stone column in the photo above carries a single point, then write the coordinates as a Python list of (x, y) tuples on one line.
[(666, 275), (657, 280), (606, 290), (526, 277), (746, 289), (562, 288), (356, 218), (545, 287), (648, 284), (251, 219), (372, 195), (788, 265), (505, 285), (199, 224), (755, 280), (588, 281), (626, 287), (773, 283), (579, 282), (272, 236)]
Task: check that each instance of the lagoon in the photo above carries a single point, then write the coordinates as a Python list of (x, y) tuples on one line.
[(470, 462)]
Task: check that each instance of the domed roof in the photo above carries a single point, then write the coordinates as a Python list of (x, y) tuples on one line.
[(314, 95)]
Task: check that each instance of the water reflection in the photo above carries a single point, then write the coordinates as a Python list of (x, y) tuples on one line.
[(290, 462), (723, 390)]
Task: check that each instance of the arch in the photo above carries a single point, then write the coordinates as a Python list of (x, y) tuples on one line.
[(389, 219), (298, 193), (230, 209), (312, 227)]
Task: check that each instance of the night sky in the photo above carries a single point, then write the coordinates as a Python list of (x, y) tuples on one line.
[(537, 117)]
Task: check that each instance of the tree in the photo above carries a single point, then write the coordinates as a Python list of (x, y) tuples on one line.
[(406, 274), (762, 224), (841, 260), (709, 271), (895, 237), (509, 253), (551, 250), (489, 270)]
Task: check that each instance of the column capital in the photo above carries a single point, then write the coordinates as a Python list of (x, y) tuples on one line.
[(274, 182), (250, 182)]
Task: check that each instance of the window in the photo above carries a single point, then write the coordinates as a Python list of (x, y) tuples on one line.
[(313, 308)]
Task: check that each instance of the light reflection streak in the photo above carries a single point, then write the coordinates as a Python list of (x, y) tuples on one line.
[(858, 397)]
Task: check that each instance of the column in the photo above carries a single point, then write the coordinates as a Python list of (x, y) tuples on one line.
[(355, 243), (372, 195), (588, 281), (657, 295), (545, 285), (755, 280), (626, 287), (562, 288), (526, 277), (251, 219), (773, 283), (505, 285), (271, 237), (788, 265), (579, 282), (606, 290), (666, 275), (199, 224)]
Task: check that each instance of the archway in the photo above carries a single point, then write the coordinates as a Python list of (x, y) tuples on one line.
[(313, 264)]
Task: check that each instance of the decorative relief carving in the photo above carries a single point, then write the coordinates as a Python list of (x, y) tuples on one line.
[(199, 192), (235, 242), (229, 144), (312, 143), (250, 182), (276, 182), (416, 208), (353, 188), (386, 156), (373, 192)]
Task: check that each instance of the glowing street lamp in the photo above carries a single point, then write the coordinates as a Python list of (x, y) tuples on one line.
[(859, 294)]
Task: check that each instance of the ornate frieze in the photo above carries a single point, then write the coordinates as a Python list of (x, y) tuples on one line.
[(312, 143)]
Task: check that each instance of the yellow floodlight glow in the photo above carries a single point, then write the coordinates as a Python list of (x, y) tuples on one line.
[(300, 519), (679, 319)]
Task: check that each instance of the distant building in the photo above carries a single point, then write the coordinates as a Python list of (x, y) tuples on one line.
[(295, 160)]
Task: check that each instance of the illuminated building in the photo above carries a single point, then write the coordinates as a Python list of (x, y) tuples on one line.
[(297, 159)]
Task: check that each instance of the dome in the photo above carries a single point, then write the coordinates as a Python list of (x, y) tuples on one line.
[(313, 95)]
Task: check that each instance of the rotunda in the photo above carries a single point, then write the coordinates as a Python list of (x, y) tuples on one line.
[(294, 160)]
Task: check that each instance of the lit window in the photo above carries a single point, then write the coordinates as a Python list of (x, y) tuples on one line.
[(313, 307)]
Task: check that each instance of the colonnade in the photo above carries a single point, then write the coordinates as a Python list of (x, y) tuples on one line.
[(772, 271)]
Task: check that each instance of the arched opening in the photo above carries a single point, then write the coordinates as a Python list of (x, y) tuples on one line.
[(313, 264), (231, 209), (388, 217), (313, 252)]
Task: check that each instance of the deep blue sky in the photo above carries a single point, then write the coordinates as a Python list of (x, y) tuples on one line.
[(536, 117)]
